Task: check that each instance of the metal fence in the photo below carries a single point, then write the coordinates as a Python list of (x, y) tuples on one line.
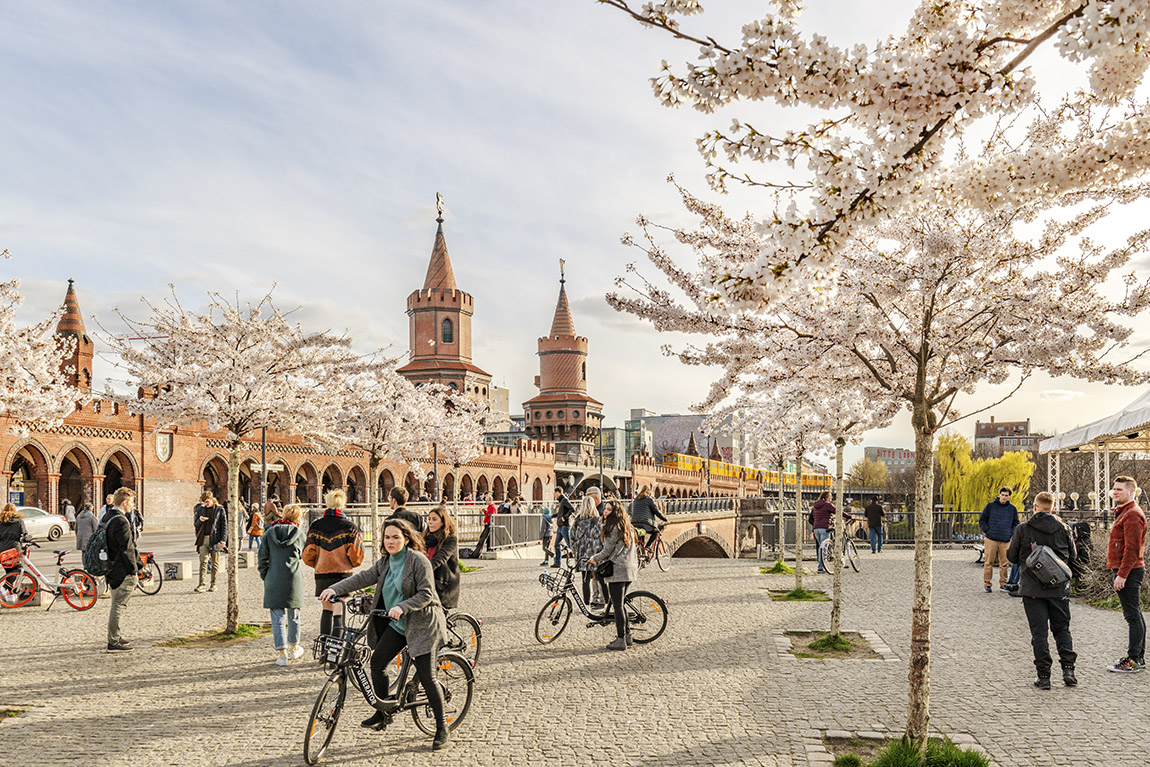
[(507, 530)]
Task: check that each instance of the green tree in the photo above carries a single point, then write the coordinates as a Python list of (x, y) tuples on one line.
[(987, 475), (867, 473), (955, 464)]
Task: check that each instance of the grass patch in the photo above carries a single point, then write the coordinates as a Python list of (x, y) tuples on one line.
[(855, 752), (8, 713), (821, 645), (798, 595), (778, 568), (831, 643), (245, 632), (468, 568), (1109, 603)]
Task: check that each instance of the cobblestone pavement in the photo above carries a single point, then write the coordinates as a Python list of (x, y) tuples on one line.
[(712, 690)]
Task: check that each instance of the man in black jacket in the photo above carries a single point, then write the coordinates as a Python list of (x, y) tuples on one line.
[(211, 520), (396, 499), (563, 513), (1046, 607), (123, 562)]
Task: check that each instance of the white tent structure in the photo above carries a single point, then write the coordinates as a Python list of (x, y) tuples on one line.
[(1128, 430)]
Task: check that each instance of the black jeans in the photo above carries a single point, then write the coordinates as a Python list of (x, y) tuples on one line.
[(1129, 597), (617, 589), (483, 538), (388, 645), (1053, 615)]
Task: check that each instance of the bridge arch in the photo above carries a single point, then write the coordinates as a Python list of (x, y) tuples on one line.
[(706, 544)]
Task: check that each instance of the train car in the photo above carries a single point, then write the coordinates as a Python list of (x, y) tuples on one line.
[(811, 482)]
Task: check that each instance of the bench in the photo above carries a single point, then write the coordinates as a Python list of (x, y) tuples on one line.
[(981, 551)]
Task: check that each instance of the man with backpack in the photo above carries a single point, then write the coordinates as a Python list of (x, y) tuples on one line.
[(123, 562), (211, 522), (1045, 591)]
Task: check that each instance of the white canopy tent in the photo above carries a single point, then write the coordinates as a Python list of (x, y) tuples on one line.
[(1128, 430)]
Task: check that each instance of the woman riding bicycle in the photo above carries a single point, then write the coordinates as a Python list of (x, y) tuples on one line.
[(443, 551), (644, 512), (405, 588)]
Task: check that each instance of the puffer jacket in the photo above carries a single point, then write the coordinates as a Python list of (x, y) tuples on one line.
[(824, 513), (998, 521), (1043, 529), (644, 512), (585, 541)]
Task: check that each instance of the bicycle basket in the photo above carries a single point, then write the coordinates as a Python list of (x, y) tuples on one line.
[(10, 558), (329, 649)]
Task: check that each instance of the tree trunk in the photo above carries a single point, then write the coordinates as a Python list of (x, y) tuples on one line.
[(373, 501), (780, 539), (800, 528), (237, 518), (836, 558), (918, 702)]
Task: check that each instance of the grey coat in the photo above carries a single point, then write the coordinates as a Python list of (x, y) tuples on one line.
[(85, 527), (422, 613), (625, 558), (280, 567), (584, 540)]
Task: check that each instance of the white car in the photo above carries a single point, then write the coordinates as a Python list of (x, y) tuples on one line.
[(41, 524)]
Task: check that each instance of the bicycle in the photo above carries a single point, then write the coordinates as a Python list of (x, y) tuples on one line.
[(657, 550), (349, 656), (150, 577), (17, 589), (850, 552), (646, 613), (464, 635)]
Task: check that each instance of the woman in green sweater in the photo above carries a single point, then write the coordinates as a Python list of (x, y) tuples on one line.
[(405, 589)]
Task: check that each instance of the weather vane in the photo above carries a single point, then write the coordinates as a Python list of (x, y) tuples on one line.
[(562, 264), (439, 206)]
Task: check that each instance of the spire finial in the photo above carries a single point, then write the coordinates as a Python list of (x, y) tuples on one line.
[(562, 266), (70, 281), (439, 207)]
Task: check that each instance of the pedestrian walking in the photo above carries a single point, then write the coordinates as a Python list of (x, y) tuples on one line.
[(546, 533), (875, 517), (1126, 560), (85, 527), (822, 514), (564, 512), (104, 508), (485, 536), (255, 527), (333, 548), (1047, 607), (397, 499), (618, 548), (644, 512), (997, 522), (211, 521), (70, 514), (123, 563), (279, 562), (585, 541), (405, 588), (443, 551)]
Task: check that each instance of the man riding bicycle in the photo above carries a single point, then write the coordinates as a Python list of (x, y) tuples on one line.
[(644, 512)]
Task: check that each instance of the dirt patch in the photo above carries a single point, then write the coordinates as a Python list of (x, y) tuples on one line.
[(246, 632), (808, 595), (801, 642), (7, 712), (865, 748)]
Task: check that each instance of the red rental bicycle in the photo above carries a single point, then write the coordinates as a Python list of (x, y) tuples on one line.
[(17, 589)]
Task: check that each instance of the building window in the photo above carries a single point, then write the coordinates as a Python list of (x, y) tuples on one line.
[(559, 414), (574, 413), (548, 413), (448, 332)]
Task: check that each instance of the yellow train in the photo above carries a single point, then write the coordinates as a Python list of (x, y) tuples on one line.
[(724, 469)]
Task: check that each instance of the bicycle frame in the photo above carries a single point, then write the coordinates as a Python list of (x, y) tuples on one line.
[(41, 580), (351, 665), (578, 597)]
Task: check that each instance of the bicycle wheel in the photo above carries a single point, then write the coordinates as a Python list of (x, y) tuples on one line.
[(324, 717), (646, 616), (17, 589), (78, 589), (662, 556), (552, 619), (825, 554), (151, 579), (464, 636), (456, 680), (851, 554)]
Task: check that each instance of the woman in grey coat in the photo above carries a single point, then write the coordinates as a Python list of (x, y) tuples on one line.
[(405, 588), (85, 527), (619, 549)]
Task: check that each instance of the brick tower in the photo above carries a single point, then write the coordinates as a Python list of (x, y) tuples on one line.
[(439, 319), (562, 412), (71, 323)]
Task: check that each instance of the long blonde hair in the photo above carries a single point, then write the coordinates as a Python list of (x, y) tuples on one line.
[(9, 513), (588, 507)]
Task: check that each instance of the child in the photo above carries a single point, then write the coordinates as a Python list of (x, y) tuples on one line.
[(546, 532)]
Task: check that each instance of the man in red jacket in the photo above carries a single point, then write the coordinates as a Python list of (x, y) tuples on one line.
[(1124, 558)]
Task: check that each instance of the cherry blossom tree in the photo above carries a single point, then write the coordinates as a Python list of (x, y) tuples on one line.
[(234, 367), (886, 113), (34, 391), (920, 310)]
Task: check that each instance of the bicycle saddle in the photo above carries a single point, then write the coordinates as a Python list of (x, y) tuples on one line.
[(61, 552)]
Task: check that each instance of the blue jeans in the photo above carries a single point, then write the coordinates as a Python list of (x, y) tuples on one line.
[(561, 534), (820, 535), (1015, 571), (876, 537), (254, 539), (279, 614)]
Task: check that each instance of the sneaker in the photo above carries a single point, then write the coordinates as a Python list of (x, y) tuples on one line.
[(121, 646), (1126, 666), (295, 652), (1006, 587), (200, 589), (630, 641), (544, 563), (989, 589), (212, 587), (282, 660), (620, 643), (1042, 683), (442, 735), (1015, 593)]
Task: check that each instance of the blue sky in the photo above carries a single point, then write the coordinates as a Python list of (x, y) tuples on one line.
[(230, 146)]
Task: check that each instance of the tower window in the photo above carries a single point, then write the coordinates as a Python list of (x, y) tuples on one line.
[(448, 332), (584, 371)]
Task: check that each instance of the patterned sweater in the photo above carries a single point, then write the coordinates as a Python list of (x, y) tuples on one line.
[(334, 544)]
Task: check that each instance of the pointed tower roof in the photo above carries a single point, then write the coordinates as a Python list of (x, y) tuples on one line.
[(439, 274), (562, 325), (715, 454), (72, 321), (692, 449)]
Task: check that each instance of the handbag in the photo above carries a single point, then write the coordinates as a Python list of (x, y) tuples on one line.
[(605, 569)]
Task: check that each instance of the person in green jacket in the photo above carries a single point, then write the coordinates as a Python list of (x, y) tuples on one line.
[(280, 557)]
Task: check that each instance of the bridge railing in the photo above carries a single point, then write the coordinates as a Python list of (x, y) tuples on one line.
[(507, 530)]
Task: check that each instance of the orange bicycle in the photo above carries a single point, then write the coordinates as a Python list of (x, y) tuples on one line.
[(17, 588)]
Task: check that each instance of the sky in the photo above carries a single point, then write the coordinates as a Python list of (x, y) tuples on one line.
[(233, 147)]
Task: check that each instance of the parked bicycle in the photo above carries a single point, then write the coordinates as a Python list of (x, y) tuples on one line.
[(17, 589), (150, 577), (850, 552), (657, 550), (646, 613), (464, 635), (349, 658)]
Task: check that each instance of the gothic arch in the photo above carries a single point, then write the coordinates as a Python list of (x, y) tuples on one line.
[(537, 490), (356, 484), (466, 486), (512, 487), (73, 445), (332, 477), (482, 488), (38, 451), (497, 488), (121, 454)]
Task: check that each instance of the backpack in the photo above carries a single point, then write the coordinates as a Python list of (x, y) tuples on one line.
[(1047, 567), (96, 553)]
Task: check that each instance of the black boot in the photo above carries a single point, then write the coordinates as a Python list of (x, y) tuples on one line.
[(376, 721), (442, 735), (1068, 677), (1043, 682)]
